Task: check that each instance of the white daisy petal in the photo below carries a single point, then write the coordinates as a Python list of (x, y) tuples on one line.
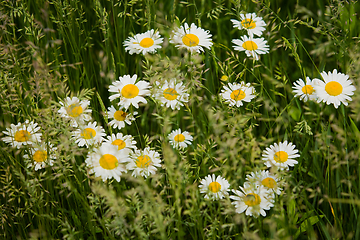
[(143, 43), (41, 155), (336, 88), (252, 46), (172, 94), (253, 199), (305, 90), (236, 94), (180, 139), (144, 162), (129, 92), (22, 134), (192, 38), (251, 23), (266, 179), (120, 117), (75, 110), (107, 162), (214, 187), (89, 135), (126, 142), (280, 155)]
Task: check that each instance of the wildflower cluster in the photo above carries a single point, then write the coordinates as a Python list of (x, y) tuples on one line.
[(110, 156), (191, 37), (195, 39), (253, 25), (28, 135), (336, 88), (237, 93), (258, 192)]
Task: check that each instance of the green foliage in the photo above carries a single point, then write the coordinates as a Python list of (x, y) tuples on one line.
[(50, 50)]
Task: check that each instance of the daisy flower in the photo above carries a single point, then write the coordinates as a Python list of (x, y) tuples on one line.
[(236, 94), (305, 90), (266, 179), (252, 46), (75, 110), (89, 135), (280, 155), (251, 23), (252, 199), (144, 162), (123, 142), (214, 187), (107, 162), (120, 117), (180, 139), (22, 134), (172, 95), (192, 38), (41, 155), (147, 42), (336, 88), (129, 92)]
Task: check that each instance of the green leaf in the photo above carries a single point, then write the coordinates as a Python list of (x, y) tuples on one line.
[(355, 129), (293, 216), (294, 112), (307, 224)]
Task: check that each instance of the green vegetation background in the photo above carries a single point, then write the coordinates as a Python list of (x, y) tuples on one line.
[(50, 49)]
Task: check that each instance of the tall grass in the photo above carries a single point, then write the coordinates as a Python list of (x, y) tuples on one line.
[(53, 49)]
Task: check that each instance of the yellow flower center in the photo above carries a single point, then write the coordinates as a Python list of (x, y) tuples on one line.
[(108, 161), (252, 199), (74, 110), (179, 138), (130, 91), (22, 136), (120, 115), (143, 161), (147, 42), (88, 133), (248, 23), (281, 156), (250, 45), (224, 78), (333, 88), (214, 187), (40, 156), (308, 89), (190, 40), (237, 95), (120, 143), (269, 182), (170, 94)]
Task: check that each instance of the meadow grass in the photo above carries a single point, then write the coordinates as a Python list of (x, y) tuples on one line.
[(52, 49)]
